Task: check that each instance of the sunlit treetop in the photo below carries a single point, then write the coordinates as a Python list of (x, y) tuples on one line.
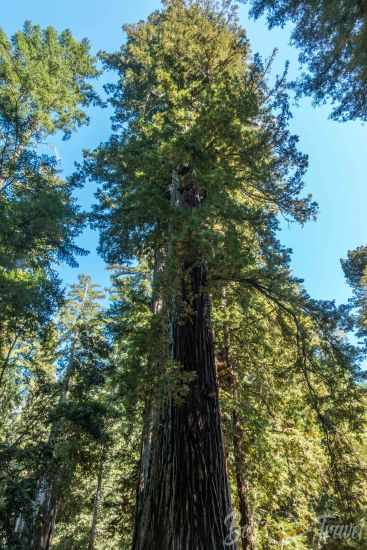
[(45, 87), (44, 80), (190, 94)]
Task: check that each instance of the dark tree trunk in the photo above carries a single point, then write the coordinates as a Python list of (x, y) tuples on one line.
[(48, 490), (183, 498), (186, 497), (35, 530), (151, 410), (50, 486)]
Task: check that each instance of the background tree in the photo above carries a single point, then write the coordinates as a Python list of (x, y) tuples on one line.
[(44, 88), (331, 36), (70, 424), (292, 418), (355, 270)]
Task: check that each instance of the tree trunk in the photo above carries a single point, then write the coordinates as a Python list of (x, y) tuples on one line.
[(184, 501), (48, 487), (246, 519), (46, 516), (97, 502), (35, 531), (246, 524), (151, 410)]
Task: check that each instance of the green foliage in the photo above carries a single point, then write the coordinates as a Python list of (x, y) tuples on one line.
[(60, 414), (355, 269), (300, 431), (44, 81), (331, 36), (44, 88), (192, 108), (191, 96)]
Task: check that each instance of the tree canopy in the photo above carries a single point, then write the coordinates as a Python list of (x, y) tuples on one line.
[(331, 37)]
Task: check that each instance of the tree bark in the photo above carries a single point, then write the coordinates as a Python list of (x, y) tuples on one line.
[(184, 500), (151, 410)]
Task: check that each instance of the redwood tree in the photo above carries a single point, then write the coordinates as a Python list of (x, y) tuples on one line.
[(200, 164)]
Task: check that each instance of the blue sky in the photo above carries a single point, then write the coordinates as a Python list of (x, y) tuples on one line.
[(337, 175)]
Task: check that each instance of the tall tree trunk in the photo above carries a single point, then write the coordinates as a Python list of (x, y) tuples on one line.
[(246, 518), (246, 523), (97, 501), (185, 498), (46, 517), (48, 487), (35, 531)]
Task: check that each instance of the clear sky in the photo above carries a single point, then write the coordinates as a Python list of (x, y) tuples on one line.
[(337, 175)]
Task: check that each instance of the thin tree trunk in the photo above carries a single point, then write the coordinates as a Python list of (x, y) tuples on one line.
[(46, 519), (97, 501), (246, 518), (244, 507), (185, 498), (48, 487), (36, 533)]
